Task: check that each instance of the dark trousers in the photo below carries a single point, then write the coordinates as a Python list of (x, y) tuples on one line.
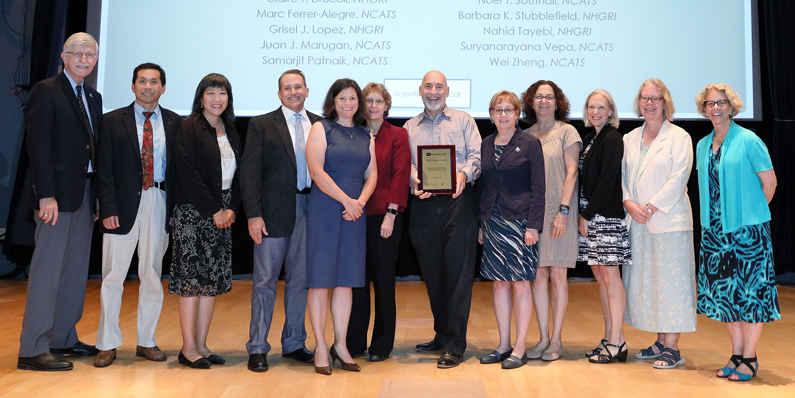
[(57, 280), (382, 255), (444, 233)]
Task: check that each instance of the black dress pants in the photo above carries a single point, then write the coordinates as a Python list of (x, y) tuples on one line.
[(381, 257), (444, 233)]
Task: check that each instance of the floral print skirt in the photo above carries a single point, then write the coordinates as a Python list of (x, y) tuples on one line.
[(661, 283), (201, 254)]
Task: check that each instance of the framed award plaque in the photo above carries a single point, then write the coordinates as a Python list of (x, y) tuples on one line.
[(436, 168)]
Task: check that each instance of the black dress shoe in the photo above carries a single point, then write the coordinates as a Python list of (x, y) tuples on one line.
[(449, 360), (80, 349), (377, 357), (201, 363), (300, 355), (432, 345), (45, 362), (258, 363)]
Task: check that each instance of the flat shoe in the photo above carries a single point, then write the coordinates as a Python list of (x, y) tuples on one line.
[(513, 362), (496, 357), (201, 363), (537, 352), (216, 359), (550, 356)]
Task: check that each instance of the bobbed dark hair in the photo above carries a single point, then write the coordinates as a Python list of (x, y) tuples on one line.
[(214, 80), (330, 111), (561, 102), (149, 65)]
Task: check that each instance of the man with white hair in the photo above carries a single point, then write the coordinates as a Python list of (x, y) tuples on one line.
[(62, 117), (444, 228)]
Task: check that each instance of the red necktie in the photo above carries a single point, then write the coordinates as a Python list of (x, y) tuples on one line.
[(147, 153)]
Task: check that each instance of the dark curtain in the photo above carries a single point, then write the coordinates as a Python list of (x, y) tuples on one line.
[(778, 32), (49, 29)]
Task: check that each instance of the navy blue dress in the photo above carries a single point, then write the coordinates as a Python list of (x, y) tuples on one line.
[(736, 277), (335, 248)]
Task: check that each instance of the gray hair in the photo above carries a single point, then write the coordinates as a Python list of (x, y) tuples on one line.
[(80, 39)]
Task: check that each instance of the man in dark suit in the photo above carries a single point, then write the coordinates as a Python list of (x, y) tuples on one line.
[(62, 117), (135, 184), (275, 182)]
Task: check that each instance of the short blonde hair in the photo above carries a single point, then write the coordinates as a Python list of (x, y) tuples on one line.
[(508, 96), (80, 39), (612, 119), (734, 98), (668, 107), (381, 89)]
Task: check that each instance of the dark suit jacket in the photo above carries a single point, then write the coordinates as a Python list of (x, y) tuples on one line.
[(268, 172), (516, 182), (199, 179), (57, 142), (601, 174), (393, 161), (119, 171)]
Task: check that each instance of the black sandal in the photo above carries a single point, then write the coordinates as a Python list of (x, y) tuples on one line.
[(621, 356), (596, 351)]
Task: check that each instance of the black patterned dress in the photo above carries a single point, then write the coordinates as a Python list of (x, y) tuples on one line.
[(736, 279), (505, 256), (607, 242)]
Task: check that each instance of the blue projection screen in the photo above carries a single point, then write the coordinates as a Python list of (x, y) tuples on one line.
[(482, 46)]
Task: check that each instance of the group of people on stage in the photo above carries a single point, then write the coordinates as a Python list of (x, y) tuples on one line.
[(545, 198)]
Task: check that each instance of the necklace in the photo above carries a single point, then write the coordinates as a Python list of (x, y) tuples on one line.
[(227, 154)]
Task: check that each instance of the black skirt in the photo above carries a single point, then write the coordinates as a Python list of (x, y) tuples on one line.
[(201, 254)]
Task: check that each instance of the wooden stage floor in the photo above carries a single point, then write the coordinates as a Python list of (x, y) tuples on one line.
[(413, 373)]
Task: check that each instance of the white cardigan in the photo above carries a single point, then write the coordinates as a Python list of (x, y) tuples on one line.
[(662, 177)]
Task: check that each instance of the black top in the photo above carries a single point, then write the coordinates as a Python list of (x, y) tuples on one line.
[(600, 177), (199, 178), (58, 143)]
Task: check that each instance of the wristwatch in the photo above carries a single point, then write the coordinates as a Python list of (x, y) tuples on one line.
[(392, 211), (564, 209)]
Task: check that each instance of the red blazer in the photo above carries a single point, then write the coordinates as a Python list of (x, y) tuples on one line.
[(393, 161)]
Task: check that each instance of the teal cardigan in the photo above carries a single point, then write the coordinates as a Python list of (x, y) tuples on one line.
[(742, 200)]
